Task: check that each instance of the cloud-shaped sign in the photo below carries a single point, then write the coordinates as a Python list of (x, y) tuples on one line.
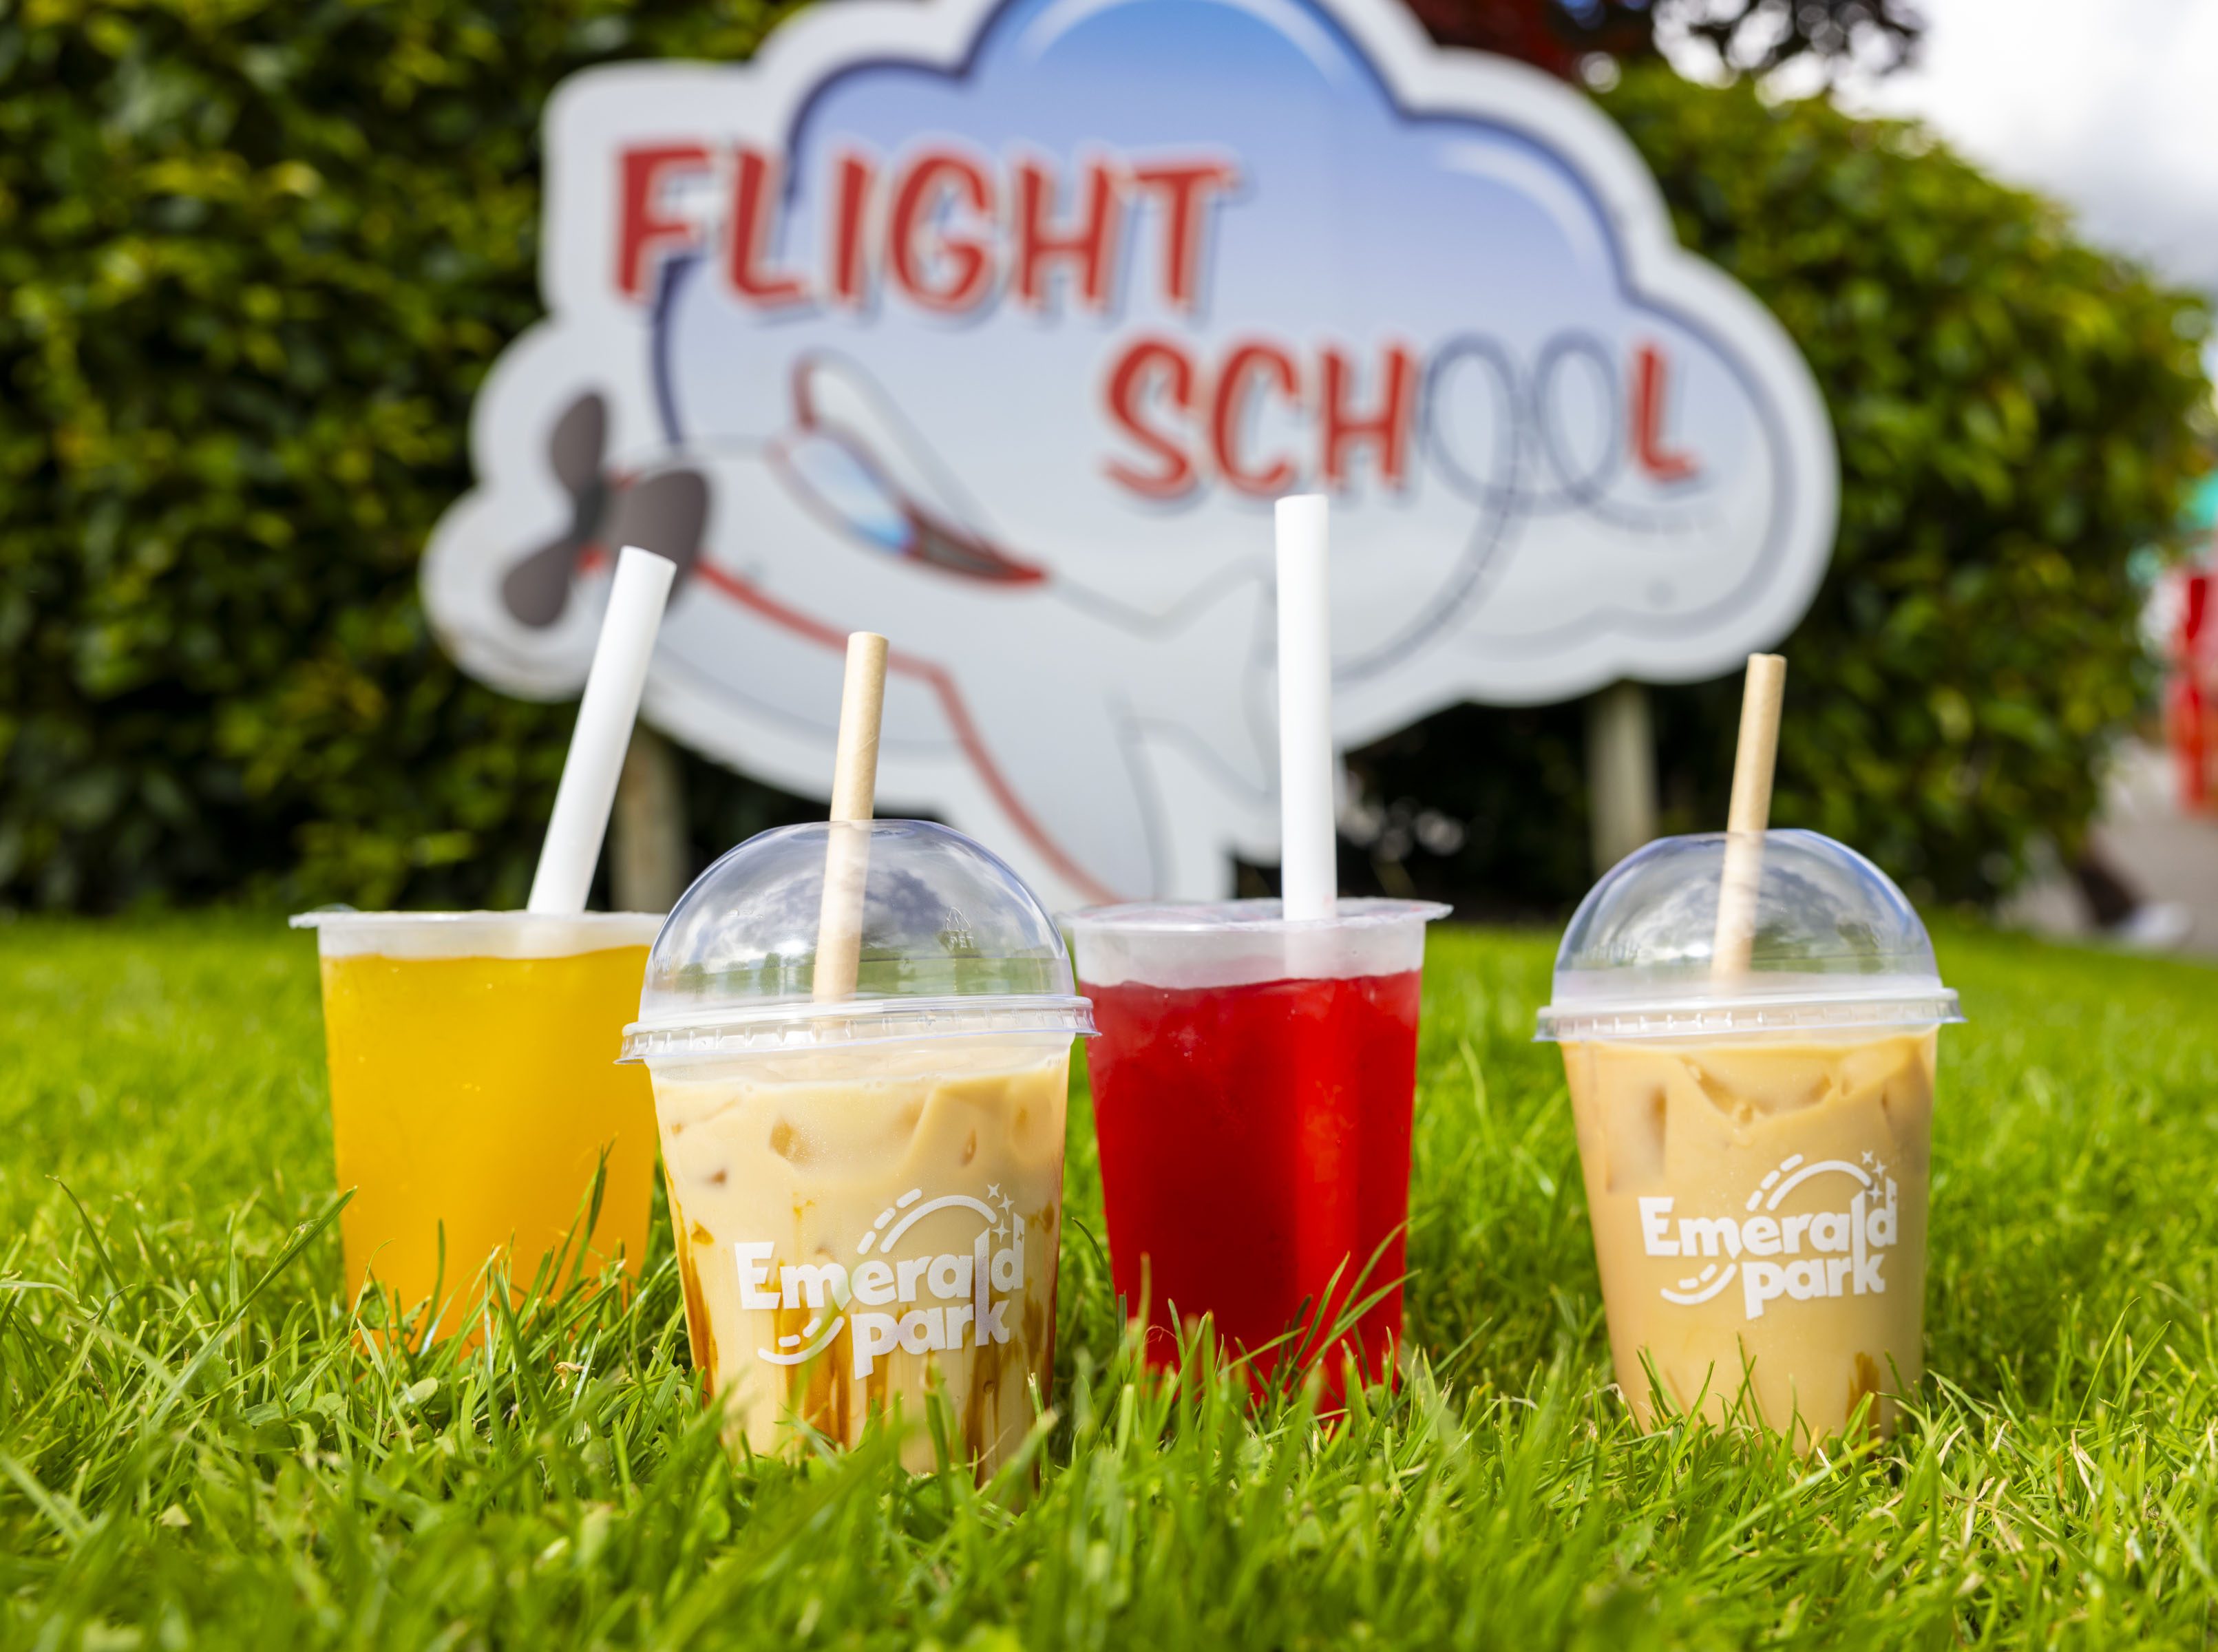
[(996, 324)]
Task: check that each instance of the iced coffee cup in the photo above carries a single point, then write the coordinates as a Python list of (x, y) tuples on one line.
[(1252, 1092), (866, 1190), (1756, 1145), (475, 1099)]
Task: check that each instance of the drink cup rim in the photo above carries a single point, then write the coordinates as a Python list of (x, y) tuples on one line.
[(1893, 1008), (789, 1028), (1249, 916), (344, 932)]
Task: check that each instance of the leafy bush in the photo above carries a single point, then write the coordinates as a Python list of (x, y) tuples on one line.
[(255, 258), (2016, 414)]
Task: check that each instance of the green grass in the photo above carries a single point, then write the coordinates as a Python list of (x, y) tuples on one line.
[(193, 1453)]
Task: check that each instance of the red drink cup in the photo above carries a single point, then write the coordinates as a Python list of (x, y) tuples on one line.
[(1252, 1089)]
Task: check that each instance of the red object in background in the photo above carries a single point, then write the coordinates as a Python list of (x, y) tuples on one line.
[(1255, 1141), (1546, 34), (1516, 28), (2192, 696)]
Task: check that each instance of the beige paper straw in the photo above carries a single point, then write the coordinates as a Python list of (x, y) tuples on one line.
[(854, 794), (1750, 816)]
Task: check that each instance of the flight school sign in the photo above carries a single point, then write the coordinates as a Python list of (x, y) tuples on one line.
[(996, 324)]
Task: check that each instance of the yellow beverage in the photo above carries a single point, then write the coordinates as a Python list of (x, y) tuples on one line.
[(475, 1093)]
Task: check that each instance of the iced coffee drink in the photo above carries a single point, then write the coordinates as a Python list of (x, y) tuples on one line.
[(1755, 1151), (858, 1230), (866, 1193), (1759, 1219)]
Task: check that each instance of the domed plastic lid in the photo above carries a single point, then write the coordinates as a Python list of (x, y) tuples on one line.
[(953, 944), (1836, 946)]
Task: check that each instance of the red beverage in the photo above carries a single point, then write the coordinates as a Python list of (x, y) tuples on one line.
[(1255, 1143)]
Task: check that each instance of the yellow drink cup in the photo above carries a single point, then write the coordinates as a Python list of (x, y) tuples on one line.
[(475, 1096)]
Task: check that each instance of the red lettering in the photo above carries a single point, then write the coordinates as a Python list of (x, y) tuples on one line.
[(1186, 189), (1090, 247), (1665, 465), (1149, 362), (967, 263), (854, 178), (645, 231), (1245, 366), (755, 212), (1388, 429)]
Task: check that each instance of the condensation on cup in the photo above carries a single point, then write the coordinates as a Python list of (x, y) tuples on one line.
[(1757, 1146), (866, 1193)]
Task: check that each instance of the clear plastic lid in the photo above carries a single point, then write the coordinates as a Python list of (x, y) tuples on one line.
[(1203, 944), (954, 945), (1836, 946)]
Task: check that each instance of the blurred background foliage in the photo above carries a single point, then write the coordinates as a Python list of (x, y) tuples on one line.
[(2016, 415), (256, 258)]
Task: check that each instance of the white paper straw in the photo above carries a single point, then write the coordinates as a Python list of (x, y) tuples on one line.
[(1308, 875), (580, 820)]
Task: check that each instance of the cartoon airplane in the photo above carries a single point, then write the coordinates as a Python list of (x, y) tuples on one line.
[(1048, 691)]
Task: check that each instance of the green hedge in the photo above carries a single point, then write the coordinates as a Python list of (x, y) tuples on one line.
[(2016, 415), (255, 258)]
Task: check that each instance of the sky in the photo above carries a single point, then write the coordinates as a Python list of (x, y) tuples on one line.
[(2107, 106)]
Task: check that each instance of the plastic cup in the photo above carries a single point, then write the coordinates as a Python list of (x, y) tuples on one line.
[(475, 1097), (1756, 1148), (866, 1193), (1252, 1084)]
